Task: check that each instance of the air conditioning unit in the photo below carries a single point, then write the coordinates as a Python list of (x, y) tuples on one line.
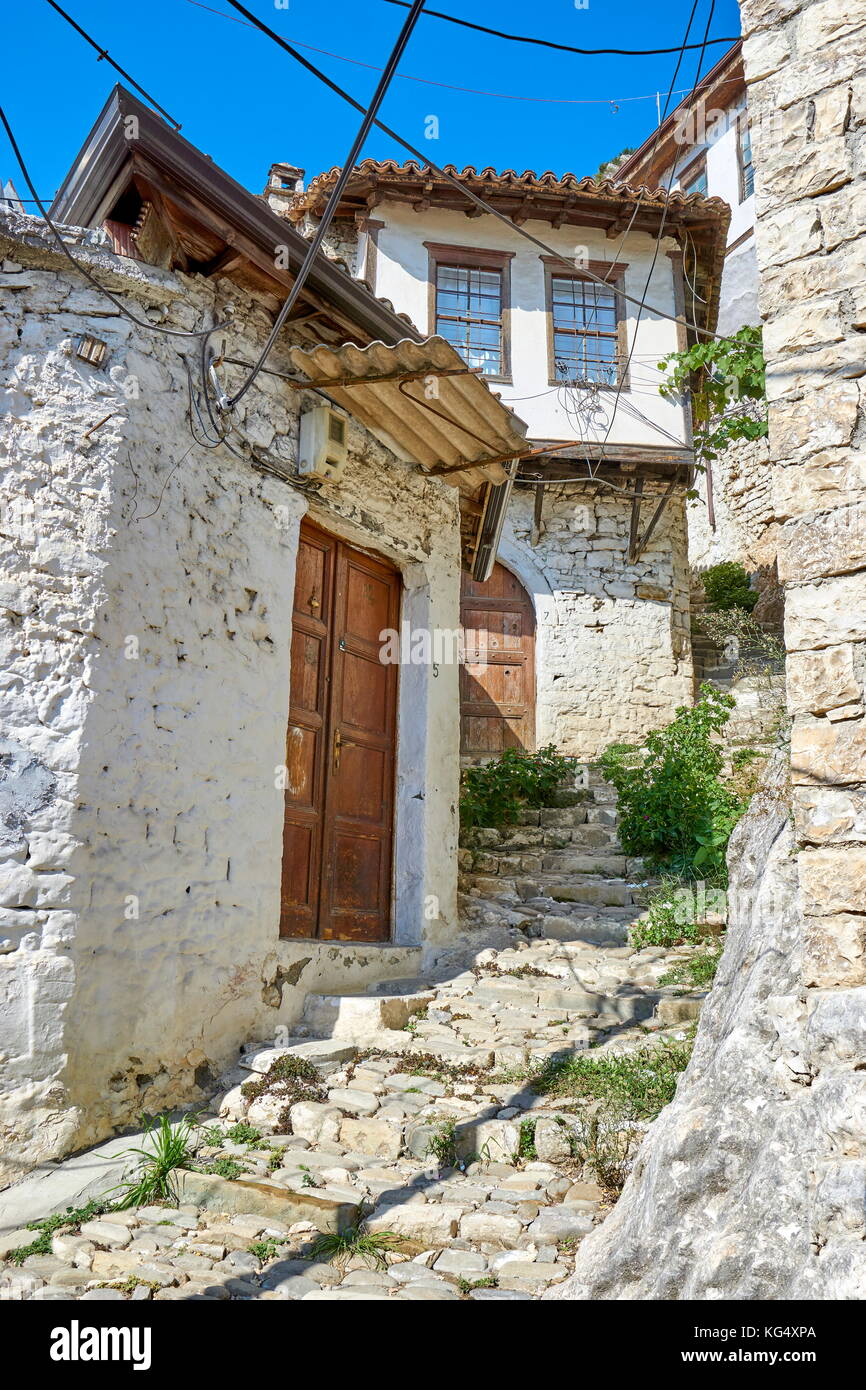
[(323, 444)]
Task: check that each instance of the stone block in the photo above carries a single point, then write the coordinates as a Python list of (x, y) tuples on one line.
[(372, 1136)]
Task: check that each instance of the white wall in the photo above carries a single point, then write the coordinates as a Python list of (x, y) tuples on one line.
[(718, 138), (145, 629), (401, 276)]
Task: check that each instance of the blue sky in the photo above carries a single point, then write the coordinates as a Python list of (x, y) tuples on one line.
[(244, 102)]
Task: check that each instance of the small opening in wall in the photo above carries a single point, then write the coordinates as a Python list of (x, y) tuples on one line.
[(91, 350)]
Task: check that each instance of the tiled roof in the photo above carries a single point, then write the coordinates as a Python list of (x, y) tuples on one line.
[(547, 184)]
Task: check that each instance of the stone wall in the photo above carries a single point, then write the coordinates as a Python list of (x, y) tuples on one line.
[(752, 1183), (743, 505), (145, 629), (613, 654)]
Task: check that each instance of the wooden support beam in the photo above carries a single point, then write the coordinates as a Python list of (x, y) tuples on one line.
[(635, 519), (641, 545)]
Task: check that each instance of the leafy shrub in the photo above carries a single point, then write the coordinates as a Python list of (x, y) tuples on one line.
[(678, 910), (727, 586), (495, 793), (673, 807)]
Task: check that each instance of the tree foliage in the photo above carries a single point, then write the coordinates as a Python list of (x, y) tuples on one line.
[(726, 378)]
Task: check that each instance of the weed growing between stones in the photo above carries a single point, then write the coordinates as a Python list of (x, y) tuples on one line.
[(636, 1085), (697, 972), (68, 1222), (443, 1145), (291, 1079), (172, 1147), (223, 1168), (526, 1145), (355, 1241)]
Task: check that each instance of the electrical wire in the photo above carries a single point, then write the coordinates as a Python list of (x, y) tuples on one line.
[(121, 308), (103, 53), (425, 162), (660, 231), (369, 116), (453, 87), (563, 47)]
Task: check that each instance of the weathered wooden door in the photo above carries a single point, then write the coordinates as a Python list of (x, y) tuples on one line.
[(341, 745), (497, 679)]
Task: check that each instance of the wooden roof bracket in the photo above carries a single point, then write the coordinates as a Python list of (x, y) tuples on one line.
[(636, 547)]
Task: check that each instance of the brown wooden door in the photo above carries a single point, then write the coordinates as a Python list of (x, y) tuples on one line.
[(341, 745), (497, 678)]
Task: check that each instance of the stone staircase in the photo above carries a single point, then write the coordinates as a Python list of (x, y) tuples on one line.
[(417, 1106)]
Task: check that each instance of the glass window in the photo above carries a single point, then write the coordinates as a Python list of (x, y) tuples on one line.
[(696, 179), (744, 151), (469, 314), (585, 330)]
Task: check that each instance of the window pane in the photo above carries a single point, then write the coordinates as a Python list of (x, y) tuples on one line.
[(469, 313)]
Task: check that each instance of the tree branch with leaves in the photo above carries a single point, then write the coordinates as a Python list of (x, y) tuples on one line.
[(726, 380)]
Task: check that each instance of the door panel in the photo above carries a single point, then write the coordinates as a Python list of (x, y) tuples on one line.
[(306, 753), (341, 749), (497, 678)]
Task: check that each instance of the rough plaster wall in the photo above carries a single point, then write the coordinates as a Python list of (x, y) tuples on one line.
[(613, 652), (145, 628), (752, 1184)]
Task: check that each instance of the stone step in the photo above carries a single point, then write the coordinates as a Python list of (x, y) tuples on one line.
[(357, 1018), (607, 865)]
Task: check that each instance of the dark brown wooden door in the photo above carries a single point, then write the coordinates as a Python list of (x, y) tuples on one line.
[(341, 745), (497, 678)]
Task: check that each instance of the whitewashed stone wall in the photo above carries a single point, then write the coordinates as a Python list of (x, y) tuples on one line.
[(613, 652), (145, 628), (752, 1184)]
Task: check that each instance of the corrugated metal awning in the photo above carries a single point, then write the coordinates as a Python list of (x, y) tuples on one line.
[(423, 401)]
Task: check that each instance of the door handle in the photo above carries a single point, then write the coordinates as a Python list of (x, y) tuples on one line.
[(338, 747)]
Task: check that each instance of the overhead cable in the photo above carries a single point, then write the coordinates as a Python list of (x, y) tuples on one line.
[(563, 47), (473, 197), (118, 304), (336, 194), (103, 53)]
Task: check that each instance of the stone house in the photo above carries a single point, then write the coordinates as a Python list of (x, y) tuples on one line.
[(581, 635), (215, 796)]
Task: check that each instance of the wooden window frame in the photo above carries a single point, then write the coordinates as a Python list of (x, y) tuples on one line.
[(743, 124), (692, 170), (474, 258), (614, 273)]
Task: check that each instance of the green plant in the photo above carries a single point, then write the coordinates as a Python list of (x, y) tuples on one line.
[(443, 1144), (526, 1144), (725, 378), (289, 1079), (727, 586), (224, 1168), (487, 1281), (606, 1143), (495, 793), (674, 808), (308, 1179), (212, 1136), (266, 1249), (167, 1147), (243, 1134), (66, 1222), (678, 910), (356, 1241), (636, 1085), (700, 970)]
